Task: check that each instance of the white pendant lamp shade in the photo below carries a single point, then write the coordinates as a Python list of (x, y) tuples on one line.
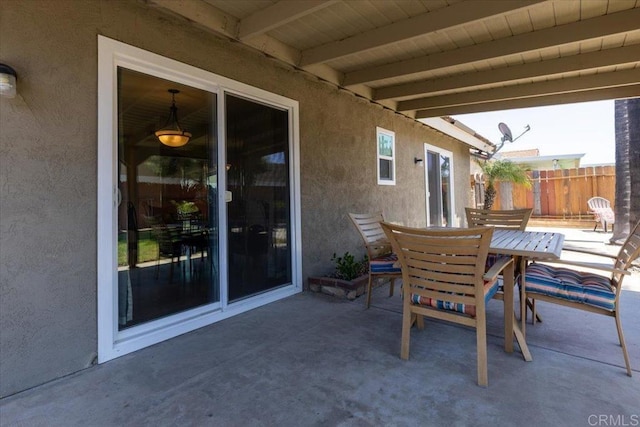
[(172, 134)]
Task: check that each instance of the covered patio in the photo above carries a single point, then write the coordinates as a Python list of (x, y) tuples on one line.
[(329, 83), (312, 359)]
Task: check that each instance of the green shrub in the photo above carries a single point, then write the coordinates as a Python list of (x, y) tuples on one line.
[(347, 268)]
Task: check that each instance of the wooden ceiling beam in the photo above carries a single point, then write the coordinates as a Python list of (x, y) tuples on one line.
[(417, 26), (213, 19), (620, 92), (580, 62), (587, 29), (201, 13), (551, 87), (278, 14)]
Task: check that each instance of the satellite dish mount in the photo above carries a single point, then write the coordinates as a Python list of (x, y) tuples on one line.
[(507, 136)]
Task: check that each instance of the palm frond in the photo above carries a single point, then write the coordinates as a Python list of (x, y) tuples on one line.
[(504, 170)]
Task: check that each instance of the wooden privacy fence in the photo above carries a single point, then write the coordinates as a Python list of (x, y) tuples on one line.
[(561, 193)]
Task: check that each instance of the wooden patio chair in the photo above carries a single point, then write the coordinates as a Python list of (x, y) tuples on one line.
[(575, 288), (443, 277), (511, 219), (602, 212), (383, 263), (516, 219)]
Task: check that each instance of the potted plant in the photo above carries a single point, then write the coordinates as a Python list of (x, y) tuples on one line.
[(348, 280)]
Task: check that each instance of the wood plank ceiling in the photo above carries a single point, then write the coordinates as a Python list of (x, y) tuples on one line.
[(433, 58)]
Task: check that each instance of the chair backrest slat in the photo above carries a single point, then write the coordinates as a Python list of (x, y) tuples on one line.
[(368, 225), (598, 203), (447, 264), (516, 219)]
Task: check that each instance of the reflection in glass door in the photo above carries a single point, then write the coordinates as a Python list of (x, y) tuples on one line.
[(438, 175), (258, 197), (168, 214)]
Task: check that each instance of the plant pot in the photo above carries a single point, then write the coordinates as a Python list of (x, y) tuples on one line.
[(348, 289)]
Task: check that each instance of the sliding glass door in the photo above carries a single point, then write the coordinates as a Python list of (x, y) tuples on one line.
[(198, 198), (167, 213)]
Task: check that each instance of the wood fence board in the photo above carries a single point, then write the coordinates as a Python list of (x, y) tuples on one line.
[(560, 193), (535, 193), (553, 191), (520, 194), (544, 193), (609, 186), (584, 191)]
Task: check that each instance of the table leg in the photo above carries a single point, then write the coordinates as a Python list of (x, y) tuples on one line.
[(522, 342), (511, 324), (523, 299), (508, 284), (520, 333)]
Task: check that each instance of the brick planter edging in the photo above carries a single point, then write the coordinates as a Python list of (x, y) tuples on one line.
[(349, 289)]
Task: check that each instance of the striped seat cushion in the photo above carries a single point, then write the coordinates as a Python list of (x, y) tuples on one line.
[(490, 289), (571, 285), (385, 264)]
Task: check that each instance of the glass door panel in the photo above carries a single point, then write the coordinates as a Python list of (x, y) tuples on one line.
[(167, 215), (258, 197), (439, 190)]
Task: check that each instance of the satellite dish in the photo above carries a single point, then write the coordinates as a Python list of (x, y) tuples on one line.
[(507, 136), (506, 132)]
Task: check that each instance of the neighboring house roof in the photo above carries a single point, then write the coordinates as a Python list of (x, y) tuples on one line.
[(557, 161), (534, 152)]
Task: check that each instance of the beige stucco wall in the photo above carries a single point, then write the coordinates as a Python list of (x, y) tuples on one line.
[(48, 163)]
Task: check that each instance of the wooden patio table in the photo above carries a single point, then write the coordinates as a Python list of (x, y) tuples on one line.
[(528, 245)]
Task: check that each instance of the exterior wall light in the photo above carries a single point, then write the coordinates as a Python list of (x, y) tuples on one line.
[(171, 133), (8, 79)]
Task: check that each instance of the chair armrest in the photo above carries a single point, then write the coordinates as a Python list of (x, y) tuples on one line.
[(497, 268), (586, 251), (591, 265)]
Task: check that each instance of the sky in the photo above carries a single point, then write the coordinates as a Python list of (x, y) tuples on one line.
[(586, 127)]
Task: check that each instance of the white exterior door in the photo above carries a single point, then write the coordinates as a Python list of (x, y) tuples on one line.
[(438, 175)]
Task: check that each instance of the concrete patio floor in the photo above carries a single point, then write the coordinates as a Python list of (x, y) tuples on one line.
[(314, 360)]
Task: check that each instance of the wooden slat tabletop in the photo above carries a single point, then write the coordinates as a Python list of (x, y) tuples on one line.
[(530, 244)]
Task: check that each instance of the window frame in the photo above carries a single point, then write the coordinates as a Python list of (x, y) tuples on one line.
[(385, 132)]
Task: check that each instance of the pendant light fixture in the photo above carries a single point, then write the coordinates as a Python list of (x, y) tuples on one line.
[(171, 133)]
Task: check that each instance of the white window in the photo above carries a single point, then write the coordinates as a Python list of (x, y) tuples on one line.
[(386, 147)]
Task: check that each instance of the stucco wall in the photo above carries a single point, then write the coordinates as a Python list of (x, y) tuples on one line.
[(48, 163)]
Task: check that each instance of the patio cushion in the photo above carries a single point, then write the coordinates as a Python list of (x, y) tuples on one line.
[(385, 264), (586, 288), (490, 289)]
